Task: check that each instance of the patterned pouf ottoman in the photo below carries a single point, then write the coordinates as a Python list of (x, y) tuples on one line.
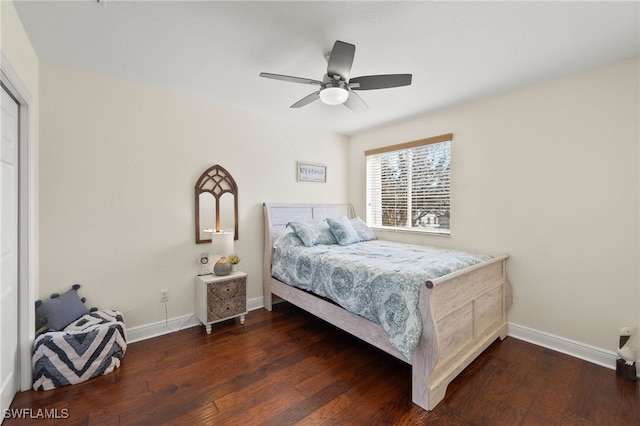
[(90, 346)]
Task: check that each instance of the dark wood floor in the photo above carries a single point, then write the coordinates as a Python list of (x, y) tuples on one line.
[(287, 367)]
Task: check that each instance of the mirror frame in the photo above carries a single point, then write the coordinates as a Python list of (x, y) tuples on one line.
[(216, 181)]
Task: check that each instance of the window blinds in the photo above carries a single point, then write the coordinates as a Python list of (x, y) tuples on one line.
[(409, 185)]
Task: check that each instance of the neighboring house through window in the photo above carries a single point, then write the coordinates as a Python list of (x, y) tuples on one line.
[(409, 185)]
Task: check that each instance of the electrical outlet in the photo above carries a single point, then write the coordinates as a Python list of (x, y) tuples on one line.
[(164, 294)]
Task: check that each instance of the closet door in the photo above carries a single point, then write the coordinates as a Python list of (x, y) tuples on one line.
[(9, 351)]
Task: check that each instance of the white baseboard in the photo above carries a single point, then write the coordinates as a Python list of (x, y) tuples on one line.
[(579, 350), (148, 331), (257, 303)]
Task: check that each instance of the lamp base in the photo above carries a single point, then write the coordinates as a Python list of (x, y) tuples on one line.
[(222, 267)]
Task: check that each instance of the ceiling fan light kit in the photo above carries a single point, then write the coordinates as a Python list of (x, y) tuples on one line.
[(334, 95), (336, 87)]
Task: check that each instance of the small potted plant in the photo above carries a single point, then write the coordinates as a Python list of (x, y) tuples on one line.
[(234, 259)]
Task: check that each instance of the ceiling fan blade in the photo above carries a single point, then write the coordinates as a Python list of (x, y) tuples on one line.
[(290, 78), (306, 100), (355, 103), (341, 59), (384, 81)]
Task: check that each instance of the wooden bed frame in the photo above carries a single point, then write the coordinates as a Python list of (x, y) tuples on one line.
[(462, 313)]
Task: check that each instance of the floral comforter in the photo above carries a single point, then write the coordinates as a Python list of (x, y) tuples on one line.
[(378, 280)]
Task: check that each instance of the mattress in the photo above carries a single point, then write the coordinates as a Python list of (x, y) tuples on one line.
[(378, 280)]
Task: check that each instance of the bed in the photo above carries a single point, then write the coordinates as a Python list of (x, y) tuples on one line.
[(461, 313)]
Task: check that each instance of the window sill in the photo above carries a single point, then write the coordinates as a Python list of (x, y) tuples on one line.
[(423, 231)]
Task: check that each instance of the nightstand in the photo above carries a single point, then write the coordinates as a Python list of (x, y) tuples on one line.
[(220, 298)]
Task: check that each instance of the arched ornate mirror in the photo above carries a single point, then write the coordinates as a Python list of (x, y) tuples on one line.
[(216, 195)]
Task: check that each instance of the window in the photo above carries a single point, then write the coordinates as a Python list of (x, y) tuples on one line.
[(409, 185)]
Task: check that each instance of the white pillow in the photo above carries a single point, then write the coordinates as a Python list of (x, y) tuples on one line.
[(364, 232)]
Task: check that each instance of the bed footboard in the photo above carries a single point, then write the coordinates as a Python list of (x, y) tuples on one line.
[(463, 313)]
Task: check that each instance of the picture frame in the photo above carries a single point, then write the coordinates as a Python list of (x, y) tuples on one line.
[(312, 172)]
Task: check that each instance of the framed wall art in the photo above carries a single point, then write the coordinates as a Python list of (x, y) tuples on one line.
[(311, 172)]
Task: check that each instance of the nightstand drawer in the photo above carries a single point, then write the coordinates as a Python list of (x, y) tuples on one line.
[(226, 308), (227, 289), (218, 298)]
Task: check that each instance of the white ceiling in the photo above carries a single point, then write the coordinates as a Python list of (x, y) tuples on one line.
[(457, 51)]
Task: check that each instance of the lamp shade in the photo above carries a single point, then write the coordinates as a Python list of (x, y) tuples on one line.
[(334, 95), (221, 243)]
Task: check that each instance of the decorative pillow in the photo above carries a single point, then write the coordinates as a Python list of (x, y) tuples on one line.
[(313, 233), (364, 232), (61, 310), (325, 236), (307, 234), (343, 231)]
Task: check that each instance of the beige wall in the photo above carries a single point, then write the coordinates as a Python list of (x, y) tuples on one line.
[(118, 167), (549, 175), (17, 48)]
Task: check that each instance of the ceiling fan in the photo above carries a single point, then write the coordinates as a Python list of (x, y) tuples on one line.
[(336, 86)]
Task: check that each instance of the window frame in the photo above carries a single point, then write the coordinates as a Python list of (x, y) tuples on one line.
[(405, 147)]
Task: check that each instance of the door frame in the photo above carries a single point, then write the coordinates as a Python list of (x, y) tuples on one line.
[(27, 218)]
